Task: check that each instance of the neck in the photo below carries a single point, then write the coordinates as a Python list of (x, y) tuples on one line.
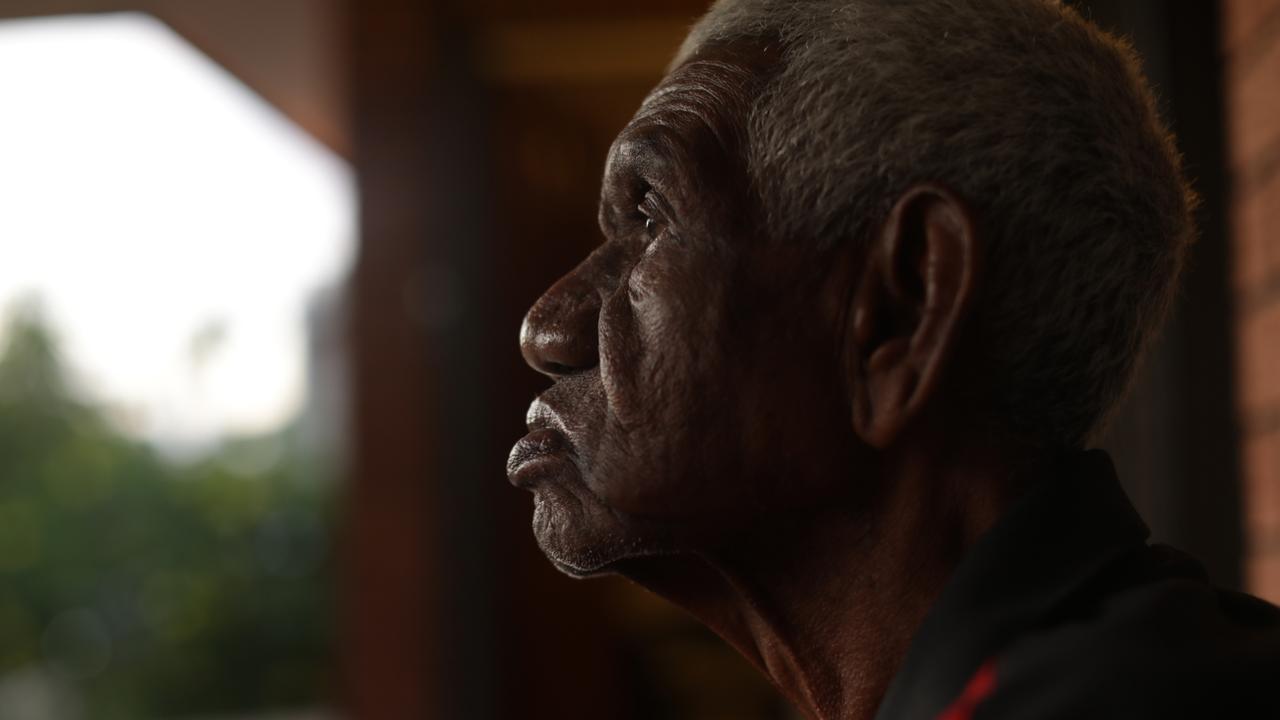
[(826, 603)]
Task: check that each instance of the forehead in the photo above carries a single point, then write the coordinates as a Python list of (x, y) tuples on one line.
[(694, 120), (704, 94)]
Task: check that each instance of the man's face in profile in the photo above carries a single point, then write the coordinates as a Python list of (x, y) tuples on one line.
[(690, 352), (868, 285)]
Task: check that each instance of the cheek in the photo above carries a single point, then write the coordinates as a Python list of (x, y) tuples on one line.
[(677, 303), (672, 434), (667, 310)]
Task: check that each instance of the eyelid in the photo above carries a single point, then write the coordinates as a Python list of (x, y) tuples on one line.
[(646, 199), (651, 215), (653, 206)]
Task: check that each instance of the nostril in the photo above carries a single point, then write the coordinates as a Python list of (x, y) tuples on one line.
[(558, 353), (557, 369), (558, 345)]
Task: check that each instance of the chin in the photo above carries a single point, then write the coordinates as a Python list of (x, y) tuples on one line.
[(581, 536)]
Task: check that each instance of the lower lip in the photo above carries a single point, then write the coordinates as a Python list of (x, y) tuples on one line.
[(536, 470)]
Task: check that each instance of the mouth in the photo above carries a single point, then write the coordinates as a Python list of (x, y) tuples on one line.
[(537, 456)]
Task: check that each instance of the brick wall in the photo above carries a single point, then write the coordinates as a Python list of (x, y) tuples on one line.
[(1251, 39)]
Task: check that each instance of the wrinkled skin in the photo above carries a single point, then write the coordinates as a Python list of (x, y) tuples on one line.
[(693, 358), (762, 432)]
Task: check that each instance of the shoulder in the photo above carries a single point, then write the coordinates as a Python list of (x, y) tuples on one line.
[(1173, 647)]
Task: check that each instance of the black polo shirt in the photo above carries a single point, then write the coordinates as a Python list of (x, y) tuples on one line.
[(1063, 610)]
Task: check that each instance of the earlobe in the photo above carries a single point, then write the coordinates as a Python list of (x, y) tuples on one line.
[(908, 312)]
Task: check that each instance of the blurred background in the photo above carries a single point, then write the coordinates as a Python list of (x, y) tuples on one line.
[(264, 264)]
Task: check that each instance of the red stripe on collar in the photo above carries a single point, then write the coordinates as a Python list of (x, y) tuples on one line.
[(980, 686)]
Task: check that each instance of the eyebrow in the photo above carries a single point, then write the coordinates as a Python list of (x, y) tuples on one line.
[(643, 148), (663, 156)]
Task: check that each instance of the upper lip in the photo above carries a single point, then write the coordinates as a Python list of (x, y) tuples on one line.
[(547, 437), (542, 416)]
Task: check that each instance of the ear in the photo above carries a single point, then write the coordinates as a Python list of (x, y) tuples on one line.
[(917, 289)]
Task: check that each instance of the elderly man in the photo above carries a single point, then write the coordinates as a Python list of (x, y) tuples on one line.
[(873, 274)]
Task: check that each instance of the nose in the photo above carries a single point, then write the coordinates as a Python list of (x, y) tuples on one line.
[(558, 337)]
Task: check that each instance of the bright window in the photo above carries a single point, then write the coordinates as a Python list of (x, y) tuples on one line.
[(172, 257)]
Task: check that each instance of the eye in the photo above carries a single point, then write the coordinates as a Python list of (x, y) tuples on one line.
[(651, 227), (651, 210)]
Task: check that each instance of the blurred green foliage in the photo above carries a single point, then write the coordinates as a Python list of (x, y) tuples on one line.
[(151, 588)]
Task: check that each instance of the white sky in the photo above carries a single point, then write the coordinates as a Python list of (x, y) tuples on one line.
[(148, 198)]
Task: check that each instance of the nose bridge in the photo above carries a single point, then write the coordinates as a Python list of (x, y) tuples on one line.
[(558, 336)]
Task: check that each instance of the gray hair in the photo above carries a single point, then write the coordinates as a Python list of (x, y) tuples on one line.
[(1038, 119)]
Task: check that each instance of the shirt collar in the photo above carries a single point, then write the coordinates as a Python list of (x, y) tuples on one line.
[(1062, 532)]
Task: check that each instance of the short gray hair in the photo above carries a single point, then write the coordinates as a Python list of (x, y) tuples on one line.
[(1038, 119)]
